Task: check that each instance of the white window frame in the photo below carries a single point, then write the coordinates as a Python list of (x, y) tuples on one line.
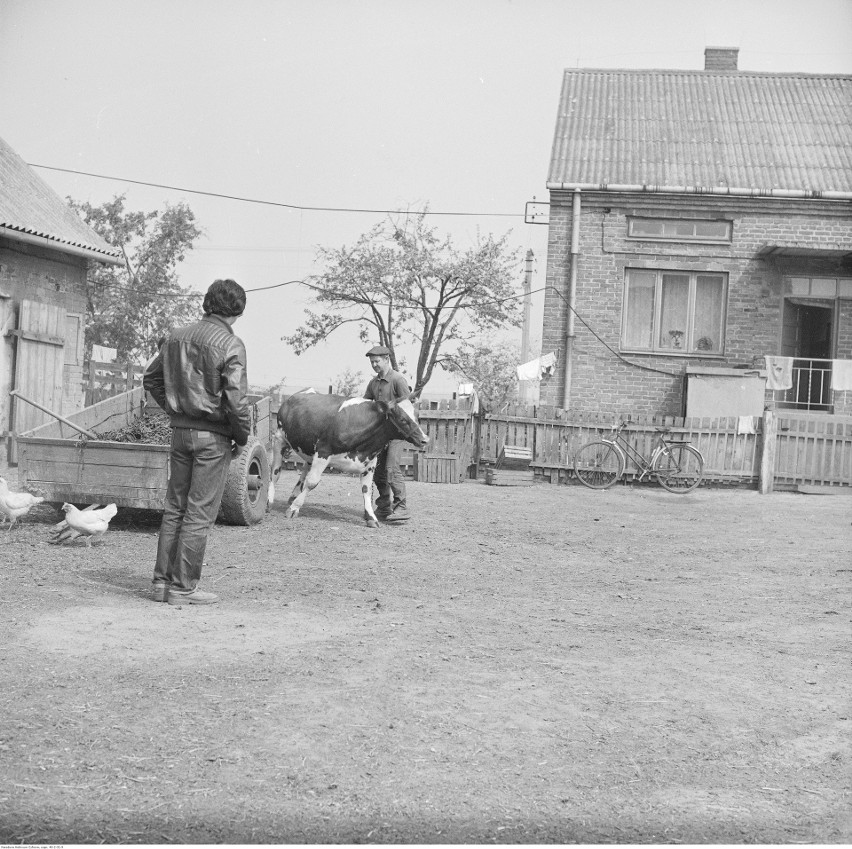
[(689, 348), (678, 223)]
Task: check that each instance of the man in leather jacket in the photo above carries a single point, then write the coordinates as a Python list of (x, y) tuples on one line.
[(199, 378)]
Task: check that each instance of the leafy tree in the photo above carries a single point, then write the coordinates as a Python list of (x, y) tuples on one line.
[(492, 368), (401, 283), (131, 306), (349, 383)]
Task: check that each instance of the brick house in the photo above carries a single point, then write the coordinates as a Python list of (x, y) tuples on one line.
[(45, 252), (699, 221)]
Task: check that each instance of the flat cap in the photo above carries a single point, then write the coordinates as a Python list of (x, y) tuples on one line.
[(379, 351)]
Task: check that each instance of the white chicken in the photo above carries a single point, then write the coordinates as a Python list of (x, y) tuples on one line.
[(90, 523), (13, 505)]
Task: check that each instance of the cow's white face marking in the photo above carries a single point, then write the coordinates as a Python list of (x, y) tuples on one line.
[(408, 408), (351, 402)]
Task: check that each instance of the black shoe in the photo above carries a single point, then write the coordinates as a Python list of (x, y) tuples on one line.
[(399, 515)]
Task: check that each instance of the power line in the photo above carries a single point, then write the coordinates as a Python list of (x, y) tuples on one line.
[(272, 202)]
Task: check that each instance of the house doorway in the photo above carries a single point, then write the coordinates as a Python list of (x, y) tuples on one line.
[(807, 337)]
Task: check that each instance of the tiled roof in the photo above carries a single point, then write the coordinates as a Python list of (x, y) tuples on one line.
[(29, 206), (704, 129)]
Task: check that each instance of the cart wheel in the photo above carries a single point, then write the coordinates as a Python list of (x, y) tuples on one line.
[(244, 498)]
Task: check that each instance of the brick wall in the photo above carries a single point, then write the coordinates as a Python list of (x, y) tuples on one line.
[(603, 379)]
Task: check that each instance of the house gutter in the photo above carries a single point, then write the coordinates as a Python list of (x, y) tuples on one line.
[(814, 194), (572, 297), (53, 244)]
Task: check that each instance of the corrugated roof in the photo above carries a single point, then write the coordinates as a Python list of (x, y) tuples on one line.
[(704, 129), (29, 206)]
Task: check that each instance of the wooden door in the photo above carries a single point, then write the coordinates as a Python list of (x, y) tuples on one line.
[(39, 362)]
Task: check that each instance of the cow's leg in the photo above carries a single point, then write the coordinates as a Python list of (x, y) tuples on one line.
[(300, 483), (308, 482), (367, 492)]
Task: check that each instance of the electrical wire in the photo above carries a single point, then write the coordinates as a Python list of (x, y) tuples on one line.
[(281, 204), (554, 289)]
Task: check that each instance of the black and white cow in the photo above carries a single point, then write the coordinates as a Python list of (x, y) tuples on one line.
[(342, 433)]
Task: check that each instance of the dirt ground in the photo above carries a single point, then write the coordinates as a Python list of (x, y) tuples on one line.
[(513, 665)]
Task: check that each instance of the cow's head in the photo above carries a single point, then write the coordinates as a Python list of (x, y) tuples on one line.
[(401, 415)]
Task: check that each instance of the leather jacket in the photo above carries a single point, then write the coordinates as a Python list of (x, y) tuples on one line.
[(199, 378)]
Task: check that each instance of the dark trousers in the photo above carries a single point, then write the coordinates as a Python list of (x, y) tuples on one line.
[(198, 469), (389, 479)]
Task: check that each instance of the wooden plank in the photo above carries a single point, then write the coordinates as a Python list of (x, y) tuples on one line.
[(509, 477), (147, 476), (38, 364), (109, 414), (125, 496)]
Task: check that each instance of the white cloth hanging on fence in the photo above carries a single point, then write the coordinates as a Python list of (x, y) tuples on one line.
[(745, 424), (779, 372), (841, 375)]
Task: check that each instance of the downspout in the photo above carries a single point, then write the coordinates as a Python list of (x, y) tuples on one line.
[(572, 298)]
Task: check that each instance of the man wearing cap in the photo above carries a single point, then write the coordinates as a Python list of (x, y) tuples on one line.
[(388, 385)]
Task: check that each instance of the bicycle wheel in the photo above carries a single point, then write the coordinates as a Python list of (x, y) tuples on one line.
[(598, 465), (679, 468)]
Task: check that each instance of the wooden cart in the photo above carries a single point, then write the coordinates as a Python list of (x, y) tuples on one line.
[(57, 461)]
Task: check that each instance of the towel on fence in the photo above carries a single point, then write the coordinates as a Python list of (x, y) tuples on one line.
[(779, 372), (745, 424), (530, 370), (841, 375)]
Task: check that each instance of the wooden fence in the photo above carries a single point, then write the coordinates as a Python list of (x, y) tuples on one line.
[(811, 449), (105, 380), (802, 449), (785, 449)]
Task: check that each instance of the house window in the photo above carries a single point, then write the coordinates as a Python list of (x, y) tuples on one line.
[(674, 312), (819, 287), (679, 230)]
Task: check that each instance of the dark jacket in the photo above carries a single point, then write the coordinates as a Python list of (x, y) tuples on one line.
[(199, 378)]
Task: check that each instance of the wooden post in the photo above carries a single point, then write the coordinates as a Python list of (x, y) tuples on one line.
[(90, 389), (767, 453)]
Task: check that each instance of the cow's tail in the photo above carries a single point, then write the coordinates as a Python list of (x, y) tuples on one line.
[(280, 449)]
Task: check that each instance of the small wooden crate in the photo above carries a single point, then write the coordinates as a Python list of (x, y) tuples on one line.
[(436, 468), (509, 477), (514, 457)]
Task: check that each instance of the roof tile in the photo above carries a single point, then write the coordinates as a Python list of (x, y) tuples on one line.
[(704, 129), (29, 205)]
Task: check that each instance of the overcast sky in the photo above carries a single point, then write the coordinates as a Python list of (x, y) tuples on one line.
[(359, 104)]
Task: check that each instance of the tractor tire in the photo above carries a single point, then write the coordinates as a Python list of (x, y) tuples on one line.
[(247, 486)]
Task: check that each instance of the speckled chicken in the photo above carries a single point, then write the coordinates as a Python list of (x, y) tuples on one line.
[(13, 505)]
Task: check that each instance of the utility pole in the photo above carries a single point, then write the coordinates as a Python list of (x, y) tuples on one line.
[(527, 388)]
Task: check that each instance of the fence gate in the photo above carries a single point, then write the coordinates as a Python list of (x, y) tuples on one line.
[(39, 362)]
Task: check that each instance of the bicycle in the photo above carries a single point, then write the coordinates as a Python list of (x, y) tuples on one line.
[(677, 466)]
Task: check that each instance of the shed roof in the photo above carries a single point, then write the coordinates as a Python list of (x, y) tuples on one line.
[(704, 129), (30, 208)]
